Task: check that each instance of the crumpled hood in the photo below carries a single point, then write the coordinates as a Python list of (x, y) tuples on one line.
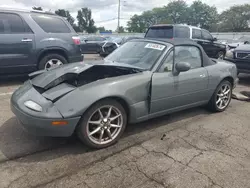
[(47, 79)]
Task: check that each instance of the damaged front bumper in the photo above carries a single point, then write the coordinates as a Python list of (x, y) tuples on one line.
[(40, 123)]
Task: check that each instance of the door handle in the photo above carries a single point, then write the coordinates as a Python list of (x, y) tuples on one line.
[(202, 75), (26, 40)]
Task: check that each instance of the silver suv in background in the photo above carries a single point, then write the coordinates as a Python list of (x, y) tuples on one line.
[(203, 37), (35, 40)]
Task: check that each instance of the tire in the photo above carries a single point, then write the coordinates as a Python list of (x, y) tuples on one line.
[(83, 129), (49, 57), (215, 98), (220, 55)]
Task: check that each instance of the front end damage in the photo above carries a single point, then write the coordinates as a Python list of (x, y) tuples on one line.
[(34, 102), (57, 83)]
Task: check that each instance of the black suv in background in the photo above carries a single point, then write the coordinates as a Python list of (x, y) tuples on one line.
[(34, 40), (202, 36)]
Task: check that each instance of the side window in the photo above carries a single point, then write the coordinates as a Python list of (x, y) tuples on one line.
[(189, 54), (51, 24), (11, 23), (196, 33), (206, 35), (167, 65), (182, 32)]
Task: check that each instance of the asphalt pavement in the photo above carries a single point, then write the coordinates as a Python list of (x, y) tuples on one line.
[(189, 149)]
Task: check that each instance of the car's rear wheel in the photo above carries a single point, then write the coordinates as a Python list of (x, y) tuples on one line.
[(103, 124), (51, 61), (221, 97)]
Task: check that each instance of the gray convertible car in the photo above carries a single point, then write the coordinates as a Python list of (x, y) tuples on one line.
[(143, 79)]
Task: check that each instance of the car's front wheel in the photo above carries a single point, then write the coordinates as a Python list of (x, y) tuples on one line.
[(103, 124), (221, 97)]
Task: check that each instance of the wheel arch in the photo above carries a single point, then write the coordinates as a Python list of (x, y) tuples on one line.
[(119, 99), (47, 51), (228, 78)]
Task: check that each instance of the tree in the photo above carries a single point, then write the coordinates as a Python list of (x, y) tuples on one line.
[(66, 14), (101, 29), (197, 14), (37, 8), (121, 29), (174, 12), (235, 19), (76, 28), (177, 11), (202, 15), (136, 24), (85, 21)]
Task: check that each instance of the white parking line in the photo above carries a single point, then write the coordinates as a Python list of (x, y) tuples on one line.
[(3, 94)]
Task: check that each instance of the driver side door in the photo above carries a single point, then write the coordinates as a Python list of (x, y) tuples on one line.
[(173, 90)]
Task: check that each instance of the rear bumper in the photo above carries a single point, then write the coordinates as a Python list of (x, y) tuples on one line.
[(42, 126)]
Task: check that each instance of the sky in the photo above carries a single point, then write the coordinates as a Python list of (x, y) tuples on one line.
[(105, 12)]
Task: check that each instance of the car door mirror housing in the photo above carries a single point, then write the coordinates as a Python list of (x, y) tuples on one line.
[(182, 66), (214, 39)]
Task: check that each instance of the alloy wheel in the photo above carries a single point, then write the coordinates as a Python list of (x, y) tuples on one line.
[(223, 96), (52, 63), (104, 125)]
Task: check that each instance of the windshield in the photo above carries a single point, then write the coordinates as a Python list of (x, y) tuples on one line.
[(160, 32), (137, 53)]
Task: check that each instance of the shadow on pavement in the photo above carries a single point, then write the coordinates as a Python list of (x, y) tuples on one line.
[(10, 81), (244, 79), (16, 143)]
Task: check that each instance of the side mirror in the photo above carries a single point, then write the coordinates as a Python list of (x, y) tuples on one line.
[(182, 66), (86, 40), (214, 39)]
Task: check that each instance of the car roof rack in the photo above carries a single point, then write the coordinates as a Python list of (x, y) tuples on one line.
[(25, 10)]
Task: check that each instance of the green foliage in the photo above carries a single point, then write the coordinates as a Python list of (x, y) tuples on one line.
[(85, 21), (121, 29), (66, 14), (202, 15), (235, 19), (197, 14)]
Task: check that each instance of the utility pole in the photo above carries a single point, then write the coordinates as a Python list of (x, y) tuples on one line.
[(119, 13)]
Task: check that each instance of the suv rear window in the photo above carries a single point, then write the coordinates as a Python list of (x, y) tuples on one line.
[(51, 24), (160, 32), (168, 32)]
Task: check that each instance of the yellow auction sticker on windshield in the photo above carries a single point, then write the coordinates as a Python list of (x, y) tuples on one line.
[(155, 46)]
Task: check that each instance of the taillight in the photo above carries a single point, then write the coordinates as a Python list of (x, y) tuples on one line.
[(76, 40)]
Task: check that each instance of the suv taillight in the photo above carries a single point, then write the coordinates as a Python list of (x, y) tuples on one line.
[(76, 40)]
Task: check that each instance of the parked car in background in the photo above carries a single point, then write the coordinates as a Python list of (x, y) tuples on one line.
[(91, 44), (32, 40), (237, 42), (201, 36), (142, 79), (113, 43), (240, 55)]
